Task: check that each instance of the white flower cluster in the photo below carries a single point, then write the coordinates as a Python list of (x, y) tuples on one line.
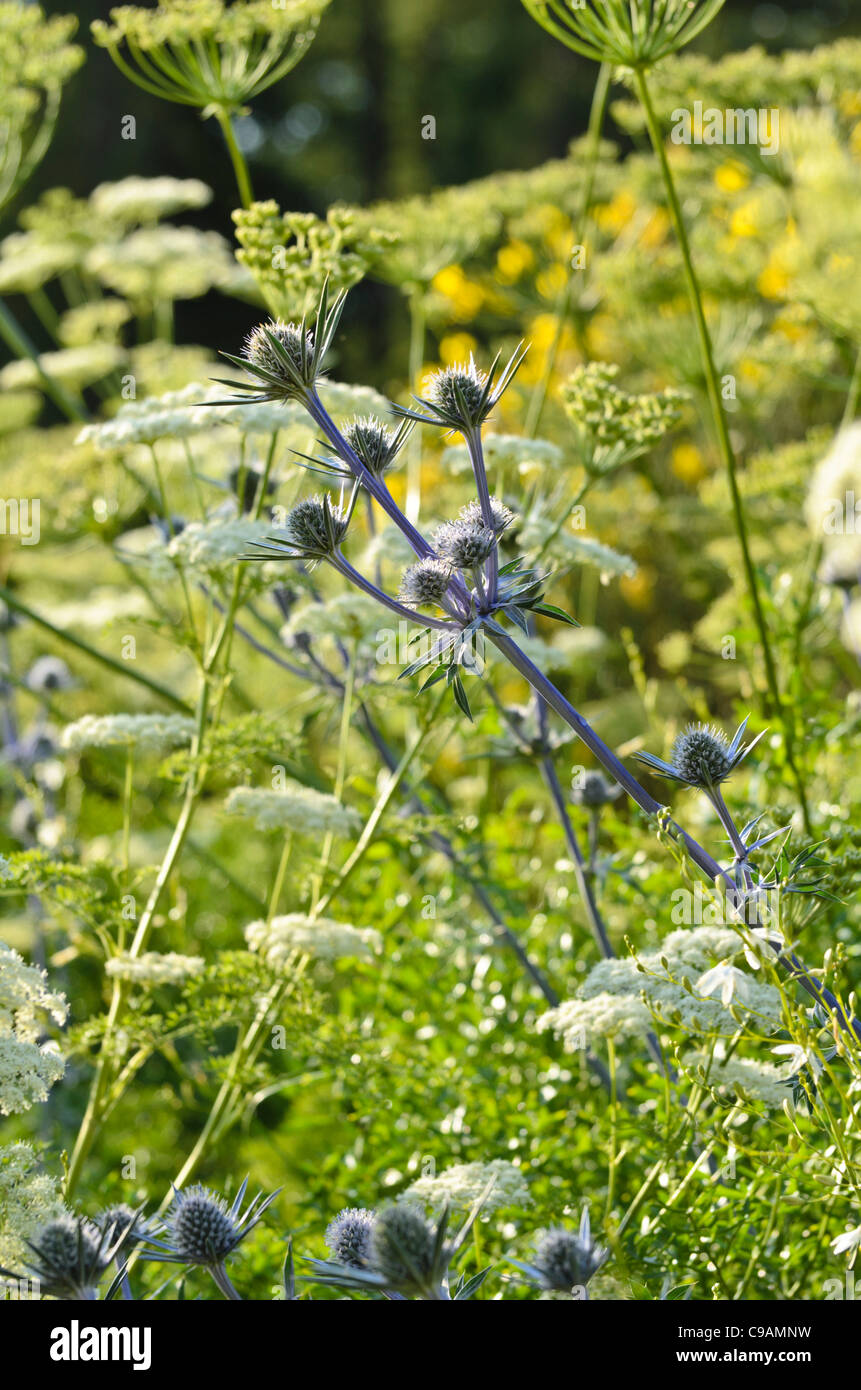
[(167, 262), (28, 1068), (146, 733), (463, 1183), (154, 968), (618, 998), (29, 1199), (180, 414), (296, 807), (73, 366), (571, 646), (134, 199), (347, 617), (210, 546), (320, 937), (761, 1081), (571, 548)]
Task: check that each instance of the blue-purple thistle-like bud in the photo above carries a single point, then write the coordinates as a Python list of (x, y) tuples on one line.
[(70, 1255), (290, 342), (200, 1227), (564, 1261), (315, 528), (403, 1246), (348, 1236), (701, 756), (426, 581), (460, 391), (501, 516), (465, 544), (375, 443)]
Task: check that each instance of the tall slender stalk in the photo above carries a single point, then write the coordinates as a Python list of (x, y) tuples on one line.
[(723, 438), (237, 158)]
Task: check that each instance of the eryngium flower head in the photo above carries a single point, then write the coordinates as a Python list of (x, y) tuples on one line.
[(124, 1224), (565, 1260), (702, 757), (70, 1255), (202, 1229), (403, 1248), (593, 790), (349, 1236), (375, 443), (285, 360), (464, 544), (501, 516), (462, 396), (426, 581), (269, 344), (312, 531)]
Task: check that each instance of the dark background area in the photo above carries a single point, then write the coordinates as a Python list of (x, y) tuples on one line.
[(345, 125)]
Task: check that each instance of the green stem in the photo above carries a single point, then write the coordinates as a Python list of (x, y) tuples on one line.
[(722, 430), (240, 168), (121, 668), (15, 338)]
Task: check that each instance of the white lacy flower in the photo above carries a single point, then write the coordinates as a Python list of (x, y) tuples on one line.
[(727, 980), (579, 1022), (342, 400), (134, 199), (321, 937), (463, 1183), (209, 546), (29, 1199), (180, 414), (74, 366), (148, 733), (155, 968), (349, 617), (24, 996), (761, 1081), (166, 262), (296, 807), (28, 1070)]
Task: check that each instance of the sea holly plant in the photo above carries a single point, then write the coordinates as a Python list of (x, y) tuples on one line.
[(637, 34), (286, 361)]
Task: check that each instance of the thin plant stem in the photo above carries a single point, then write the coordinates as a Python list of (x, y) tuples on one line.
[(723, 438), (412, 503), (237, 158)]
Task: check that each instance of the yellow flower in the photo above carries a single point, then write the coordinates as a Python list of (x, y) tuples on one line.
[(456, 347), (552, 281), (773, 281), (745, 221), (615, 216), (463, 294), (688, 463), (512, 260), (638, 589), (655, 230), (732, 177)]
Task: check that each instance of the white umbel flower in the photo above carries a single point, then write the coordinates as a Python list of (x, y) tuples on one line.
[(154, 968), (147, 733), (463, 1183), (321, 937), (298, 808)]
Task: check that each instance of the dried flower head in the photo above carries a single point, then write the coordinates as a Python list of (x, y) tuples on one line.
[(426, 581), (348, 1236), (465, 544)]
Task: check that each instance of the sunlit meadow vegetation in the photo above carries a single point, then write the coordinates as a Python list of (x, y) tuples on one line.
[(434, 813)]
